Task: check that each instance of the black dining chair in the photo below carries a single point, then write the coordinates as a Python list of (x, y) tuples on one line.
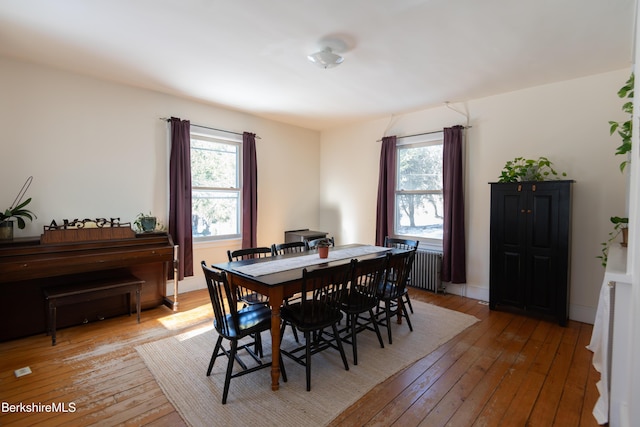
[(360, 300), (391, 289), (318, 309), (288, 248), (233, 325), (247, 296), (405, 244)]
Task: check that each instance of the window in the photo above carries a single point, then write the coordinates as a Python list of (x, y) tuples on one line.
[(418, 201), (215, 185)]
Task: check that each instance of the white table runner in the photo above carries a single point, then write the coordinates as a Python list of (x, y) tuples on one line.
[(291, 263)]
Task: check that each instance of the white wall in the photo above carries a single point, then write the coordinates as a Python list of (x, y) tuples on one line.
[(99, 149), (96, 148), (566, 122)]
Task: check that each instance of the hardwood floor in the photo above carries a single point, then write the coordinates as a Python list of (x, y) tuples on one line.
[(506, 370)]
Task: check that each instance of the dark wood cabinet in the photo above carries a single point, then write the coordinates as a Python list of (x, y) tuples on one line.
[(530, 247)]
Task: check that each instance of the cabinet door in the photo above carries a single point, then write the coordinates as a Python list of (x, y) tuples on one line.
[(541, 272), (508, 248)]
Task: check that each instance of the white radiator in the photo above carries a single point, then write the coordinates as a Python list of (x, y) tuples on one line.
[(425, 273)]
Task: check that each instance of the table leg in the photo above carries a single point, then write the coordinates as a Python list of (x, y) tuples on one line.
[(275, 300)]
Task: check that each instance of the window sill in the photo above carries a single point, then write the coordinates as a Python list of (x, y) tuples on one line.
[(222, 243)]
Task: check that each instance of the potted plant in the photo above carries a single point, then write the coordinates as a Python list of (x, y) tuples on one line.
[(145, 223), (521, 169), (18, 211), (323, 247), (620, 226)]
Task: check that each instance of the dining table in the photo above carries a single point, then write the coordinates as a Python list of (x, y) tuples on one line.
[(280, 277)]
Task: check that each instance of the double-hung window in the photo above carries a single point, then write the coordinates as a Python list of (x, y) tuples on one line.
[(418, 193), (215, 184)]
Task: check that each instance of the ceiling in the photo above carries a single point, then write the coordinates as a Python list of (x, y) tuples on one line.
[(399, 55)]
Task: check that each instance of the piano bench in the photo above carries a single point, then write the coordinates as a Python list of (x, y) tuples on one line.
[(89, 291)]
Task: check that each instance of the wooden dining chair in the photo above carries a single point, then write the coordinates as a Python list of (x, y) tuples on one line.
[(288, 248), (405, 244), (247, 296), (233, 325), (318, 309), (392, 288), (360, 300)]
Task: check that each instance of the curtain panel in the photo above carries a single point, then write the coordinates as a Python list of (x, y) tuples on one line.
[(249, 191), (180, 195), (453, 240), (386, 189)]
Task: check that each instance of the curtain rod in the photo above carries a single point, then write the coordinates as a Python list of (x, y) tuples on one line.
[(424, 133), (210, 128)]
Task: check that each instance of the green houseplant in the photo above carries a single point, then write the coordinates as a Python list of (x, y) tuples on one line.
[(624, 128), (17, 211), (145, 223), (521, 169), (620, 226)]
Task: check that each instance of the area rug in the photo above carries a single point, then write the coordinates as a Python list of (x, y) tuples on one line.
[(179, 365)]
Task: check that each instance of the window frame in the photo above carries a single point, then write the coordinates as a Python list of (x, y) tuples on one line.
[(430, 139), (203, 133)]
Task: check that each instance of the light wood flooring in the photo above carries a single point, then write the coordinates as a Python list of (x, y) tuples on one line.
[(506, 370)]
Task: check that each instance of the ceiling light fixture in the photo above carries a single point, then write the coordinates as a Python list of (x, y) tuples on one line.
[(325, 58)]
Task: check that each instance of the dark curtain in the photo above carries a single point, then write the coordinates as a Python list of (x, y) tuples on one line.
[(249, 191), (453, 239), (386, 189), (180, 196)]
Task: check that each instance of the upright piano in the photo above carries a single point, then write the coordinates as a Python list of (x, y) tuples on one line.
[(27, 266)]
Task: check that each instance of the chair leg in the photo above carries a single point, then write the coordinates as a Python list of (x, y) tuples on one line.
[(376, 327), (409, 303), (387, 312), (340, 347), (214, 355), (227, 379), (283, 372), (307, 338), (258, 345), (406, 315), (293, 329), (351, 321)]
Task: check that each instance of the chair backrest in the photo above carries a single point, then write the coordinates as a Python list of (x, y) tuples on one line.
[(366, 276), (224, 310), (249, 253), (313, 244), (390, 242), (288, 248), (323, 289), (398, 269)]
